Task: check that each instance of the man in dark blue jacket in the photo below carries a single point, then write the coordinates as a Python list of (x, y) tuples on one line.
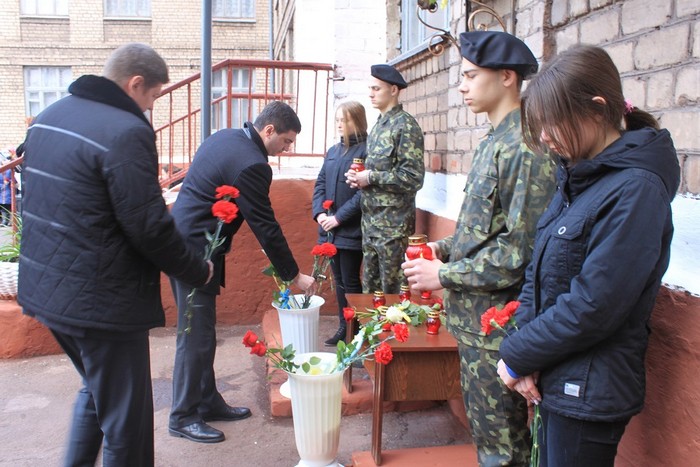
[(235, 157), (96, 236)]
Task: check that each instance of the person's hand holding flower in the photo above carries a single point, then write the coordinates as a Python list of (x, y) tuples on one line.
[(226, 211)]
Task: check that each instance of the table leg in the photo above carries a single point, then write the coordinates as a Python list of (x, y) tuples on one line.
[(351, 329), (378, 414)]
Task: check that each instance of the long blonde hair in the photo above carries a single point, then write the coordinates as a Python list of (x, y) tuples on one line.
[(354, 112)]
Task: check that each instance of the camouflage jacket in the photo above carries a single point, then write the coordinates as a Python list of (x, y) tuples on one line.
[(395, 158), (508, 189)]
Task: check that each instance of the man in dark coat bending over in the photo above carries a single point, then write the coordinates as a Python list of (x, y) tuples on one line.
[(96, 236), (235, 157)]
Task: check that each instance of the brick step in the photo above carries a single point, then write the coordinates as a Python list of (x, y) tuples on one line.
[(463, 455)]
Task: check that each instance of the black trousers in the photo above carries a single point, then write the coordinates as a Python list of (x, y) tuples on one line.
[(114, 408), (194, 382), (346, 266), (570, 442)]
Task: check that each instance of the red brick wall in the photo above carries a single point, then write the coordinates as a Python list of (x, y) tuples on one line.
[(667, 432)]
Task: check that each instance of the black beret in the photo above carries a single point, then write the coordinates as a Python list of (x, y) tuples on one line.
[(499, 50), (388, 74)]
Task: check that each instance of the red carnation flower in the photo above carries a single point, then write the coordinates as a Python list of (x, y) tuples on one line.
[(383, 353), (327, 204), (348, 313), (328, 249), (501, 318), (510, 308), (486, 318), (250, 339), (225, 211), (226, 190), (259, 349), (324, 249), (400, 332)]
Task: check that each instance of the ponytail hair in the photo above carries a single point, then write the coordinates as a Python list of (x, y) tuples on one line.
[(560, 98), (636, 119)]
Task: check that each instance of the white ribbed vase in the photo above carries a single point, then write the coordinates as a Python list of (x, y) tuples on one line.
[(299, 327), (316, 404)]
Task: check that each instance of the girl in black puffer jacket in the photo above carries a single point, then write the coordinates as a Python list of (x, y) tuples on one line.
[(340, 223), (601, 250)]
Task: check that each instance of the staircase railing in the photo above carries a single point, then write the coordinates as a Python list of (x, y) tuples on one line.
[(176, 114), (244, 88)]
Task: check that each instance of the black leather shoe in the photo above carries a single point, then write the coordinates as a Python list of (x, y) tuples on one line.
[(228, 414), (339, 336), (199, 432)]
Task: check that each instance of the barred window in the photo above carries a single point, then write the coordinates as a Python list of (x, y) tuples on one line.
[(233, 9), (44, 7), (128, 8), (243, 82), (413, 32), (43, 86)]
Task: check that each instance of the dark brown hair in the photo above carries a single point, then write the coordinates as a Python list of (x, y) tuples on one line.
[(560, 98), (354, 112), (281, 116)]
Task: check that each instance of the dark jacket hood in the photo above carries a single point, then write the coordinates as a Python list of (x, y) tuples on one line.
[(647, 149), (106, 91)]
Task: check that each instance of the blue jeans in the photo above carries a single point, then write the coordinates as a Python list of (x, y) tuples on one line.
[(570, 442)]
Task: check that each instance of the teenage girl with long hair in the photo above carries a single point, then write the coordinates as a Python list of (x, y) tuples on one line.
[(601, 250)]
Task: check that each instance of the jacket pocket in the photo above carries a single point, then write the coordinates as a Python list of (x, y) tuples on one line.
[(481, 193), (569, 234), (562, 244)]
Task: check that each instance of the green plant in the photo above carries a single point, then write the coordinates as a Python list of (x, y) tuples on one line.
[(9, 251)]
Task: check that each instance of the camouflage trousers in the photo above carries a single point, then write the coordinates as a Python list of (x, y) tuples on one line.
[(382, 258), (497, 416)]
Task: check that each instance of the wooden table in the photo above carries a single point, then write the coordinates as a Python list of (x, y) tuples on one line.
[(426, 367)]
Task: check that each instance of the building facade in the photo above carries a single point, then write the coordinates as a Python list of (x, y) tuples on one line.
[(655, 45), (46, 44), (350, 34)]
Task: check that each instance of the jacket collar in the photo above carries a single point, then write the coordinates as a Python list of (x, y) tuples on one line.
[(106, 91), (390, 113), (255, 137), (511, 122)]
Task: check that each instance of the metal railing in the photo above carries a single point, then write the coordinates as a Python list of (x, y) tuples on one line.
[(245, 87), (175, 118)]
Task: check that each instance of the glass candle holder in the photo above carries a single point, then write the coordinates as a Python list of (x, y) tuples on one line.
[(405, 293), (378, 299), (432, 323), (418, 248), (358, 165)]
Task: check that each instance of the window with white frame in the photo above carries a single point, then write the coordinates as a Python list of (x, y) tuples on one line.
[(241, 84), (233, 9), (44, 7), (43, 86), (413, 32), (128, 8)]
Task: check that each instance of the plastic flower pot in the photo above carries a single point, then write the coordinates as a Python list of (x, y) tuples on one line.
[(316, 407)]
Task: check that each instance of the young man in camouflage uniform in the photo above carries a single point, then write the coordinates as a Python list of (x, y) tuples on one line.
[(394, 171), (483, 263)]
